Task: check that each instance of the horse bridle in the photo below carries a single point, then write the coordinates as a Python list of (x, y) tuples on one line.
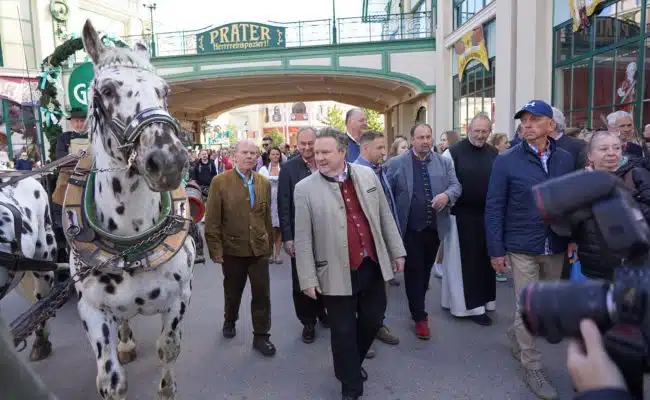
[(126, 135)]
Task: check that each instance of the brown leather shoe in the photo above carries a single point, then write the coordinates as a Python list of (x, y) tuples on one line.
[(229, 331), (386, 336), (308, 334), (263, 345)]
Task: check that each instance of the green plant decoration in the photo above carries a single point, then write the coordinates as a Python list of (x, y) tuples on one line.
[(51, 109)]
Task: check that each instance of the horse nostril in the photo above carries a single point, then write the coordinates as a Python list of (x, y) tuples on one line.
[(154, 163)]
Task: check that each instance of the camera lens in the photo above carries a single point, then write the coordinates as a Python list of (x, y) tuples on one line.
[(554, 309)]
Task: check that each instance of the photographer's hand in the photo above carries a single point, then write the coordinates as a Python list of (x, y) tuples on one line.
[(589, 365)]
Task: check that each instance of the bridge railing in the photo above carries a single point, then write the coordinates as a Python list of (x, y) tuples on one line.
[(377, 28)]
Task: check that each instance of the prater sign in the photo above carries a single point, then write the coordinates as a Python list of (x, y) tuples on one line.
[(240, 36), (79, 84)]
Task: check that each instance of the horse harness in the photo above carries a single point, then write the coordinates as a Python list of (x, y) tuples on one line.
[(15, 260), (99, 249)]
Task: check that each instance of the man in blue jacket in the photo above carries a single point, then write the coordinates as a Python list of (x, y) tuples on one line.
[(356, 123), (517, 236)]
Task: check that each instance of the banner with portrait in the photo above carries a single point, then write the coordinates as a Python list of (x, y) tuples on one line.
[(471, 46)]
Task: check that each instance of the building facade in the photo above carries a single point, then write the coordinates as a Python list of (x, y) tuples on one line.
[(282, 119), (30, 30), (587, 66)]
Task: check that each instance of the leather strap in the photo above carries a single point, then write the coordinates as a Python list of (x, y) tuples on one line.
[(17, 176), (18, 224), (16, 262)]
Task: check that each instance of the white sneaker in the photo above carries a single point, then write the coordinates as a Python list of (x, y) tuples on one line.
[(438, 271)]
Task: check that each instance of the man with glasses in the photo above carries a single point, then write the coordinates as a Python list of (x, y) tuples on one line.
[(469, 287), (263, 159), (623, 123)]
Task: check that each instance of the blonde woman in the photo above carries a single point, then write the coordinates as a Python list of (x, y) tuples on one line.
[(271, 171), (399, 146), (499, 141), (447, 139)]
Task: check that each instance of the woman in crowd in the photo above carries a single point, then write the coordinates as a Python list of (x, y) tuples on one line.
[(447, 139), (500, 142), (605, 153), (224, 160), (272, 171), (203, 171), (399, 146)]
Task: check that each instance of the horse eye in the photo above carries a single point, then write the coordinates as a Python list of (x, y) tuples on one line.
[(107, 91)]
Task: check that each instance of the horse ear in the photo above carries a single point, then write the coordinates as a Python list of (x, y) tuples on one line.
[(142, 50), (93, 45)]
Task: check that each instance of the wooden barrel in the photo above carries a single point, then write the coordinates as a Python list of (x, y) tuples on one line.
[(197, 208)]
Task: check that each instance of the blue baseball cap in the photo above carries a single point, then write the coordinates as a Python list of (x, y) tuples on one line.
[(539, 108)]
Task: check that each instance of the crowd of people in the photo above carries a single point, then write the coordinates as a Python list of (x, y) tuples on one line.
[(351, 212)]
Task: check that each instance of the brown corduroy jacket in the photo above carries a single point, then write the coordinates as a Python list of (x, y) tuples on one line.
[(232, 227)]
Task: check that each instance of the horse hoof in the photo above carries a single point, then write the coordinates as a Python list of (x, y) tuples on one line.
[(126, 357), (40, 351)]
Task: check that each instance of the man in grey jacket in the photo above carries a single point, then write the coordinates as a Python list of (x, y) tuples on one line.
[(347, 247), (424, 187)]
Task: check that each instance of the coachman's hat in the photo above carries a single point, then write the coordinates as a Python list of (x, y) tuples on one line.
[(77, 113)]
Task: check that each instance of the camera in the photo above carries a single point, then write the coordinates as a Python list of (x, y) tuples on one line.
[(621, 309)]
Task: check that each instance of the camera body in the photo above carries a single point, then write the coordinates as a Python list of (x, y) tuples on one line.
[(621, 309)]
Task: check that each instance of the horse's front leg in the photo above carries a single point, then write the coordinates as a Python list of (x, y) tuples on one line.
[(126, 346), (101, 329), (42, 347), (169, 342)]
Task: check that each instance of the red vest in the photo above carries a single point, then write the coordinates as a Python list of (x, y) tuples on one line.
[(360, 241)]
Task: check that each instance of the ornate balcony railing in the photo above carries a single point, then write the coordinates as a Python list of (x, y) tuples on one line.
[(371, 28)]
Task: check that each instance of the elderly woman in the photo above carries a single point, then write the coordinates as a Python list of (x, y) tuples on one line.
[(605, 153)]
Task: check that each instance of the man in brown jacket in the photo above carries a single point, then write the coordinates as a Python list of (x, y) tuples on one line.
[(237, 231)]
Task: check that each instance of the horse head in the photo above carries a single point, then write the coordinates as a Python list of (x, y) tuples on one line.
[(127, 115)]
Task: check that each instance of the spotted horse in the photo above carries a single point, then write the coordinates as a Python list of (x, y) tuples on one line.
[(27, 246), (128, 226)]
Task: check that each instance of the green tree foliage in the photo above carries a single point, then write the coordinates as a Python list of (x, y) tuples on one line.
[(278, 137), (231, 129), (375, 121), (334, 118)]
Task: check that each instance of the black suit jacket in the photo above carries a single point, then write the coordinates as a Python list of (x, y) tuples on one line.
[(292, 172), (576, 147)]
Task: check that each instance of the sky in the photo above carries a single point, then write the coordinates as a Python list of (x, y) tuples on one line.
[(173, 15)]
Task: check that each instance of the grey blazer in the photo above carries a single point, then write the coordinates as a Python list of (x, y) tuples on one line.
[(442, 178), (322, 259)]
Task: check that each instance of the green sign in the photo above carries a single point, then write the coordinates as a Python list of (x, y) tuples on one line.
[(79, 84), (240, 36)]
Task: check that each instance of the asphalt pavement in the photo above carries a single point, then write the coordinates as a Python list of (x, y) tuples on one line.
[(462, 361)]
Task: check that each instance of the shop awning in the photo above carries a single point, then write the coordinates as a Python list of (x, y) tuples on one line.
[(23, 91)]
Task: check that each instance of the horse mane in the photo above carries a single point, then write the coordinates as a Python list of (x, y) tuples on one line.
[(113, 57)]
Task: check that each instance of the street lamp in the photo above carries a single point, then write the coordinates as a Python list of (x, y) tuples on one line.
[(333, 21), (151, 7)]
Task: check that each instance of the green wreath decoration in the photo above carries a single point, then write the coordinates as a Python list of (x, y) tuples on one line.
[(51, 109)]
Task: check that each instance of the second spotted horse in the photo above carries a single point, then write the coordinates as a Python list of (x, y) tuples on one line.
[(128, 226)]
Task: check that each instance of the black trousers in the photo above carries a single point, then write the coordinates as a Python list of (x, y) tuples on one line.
[(308, 310), (421, 248), (59, 234), (354, 323), (236, 270)]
